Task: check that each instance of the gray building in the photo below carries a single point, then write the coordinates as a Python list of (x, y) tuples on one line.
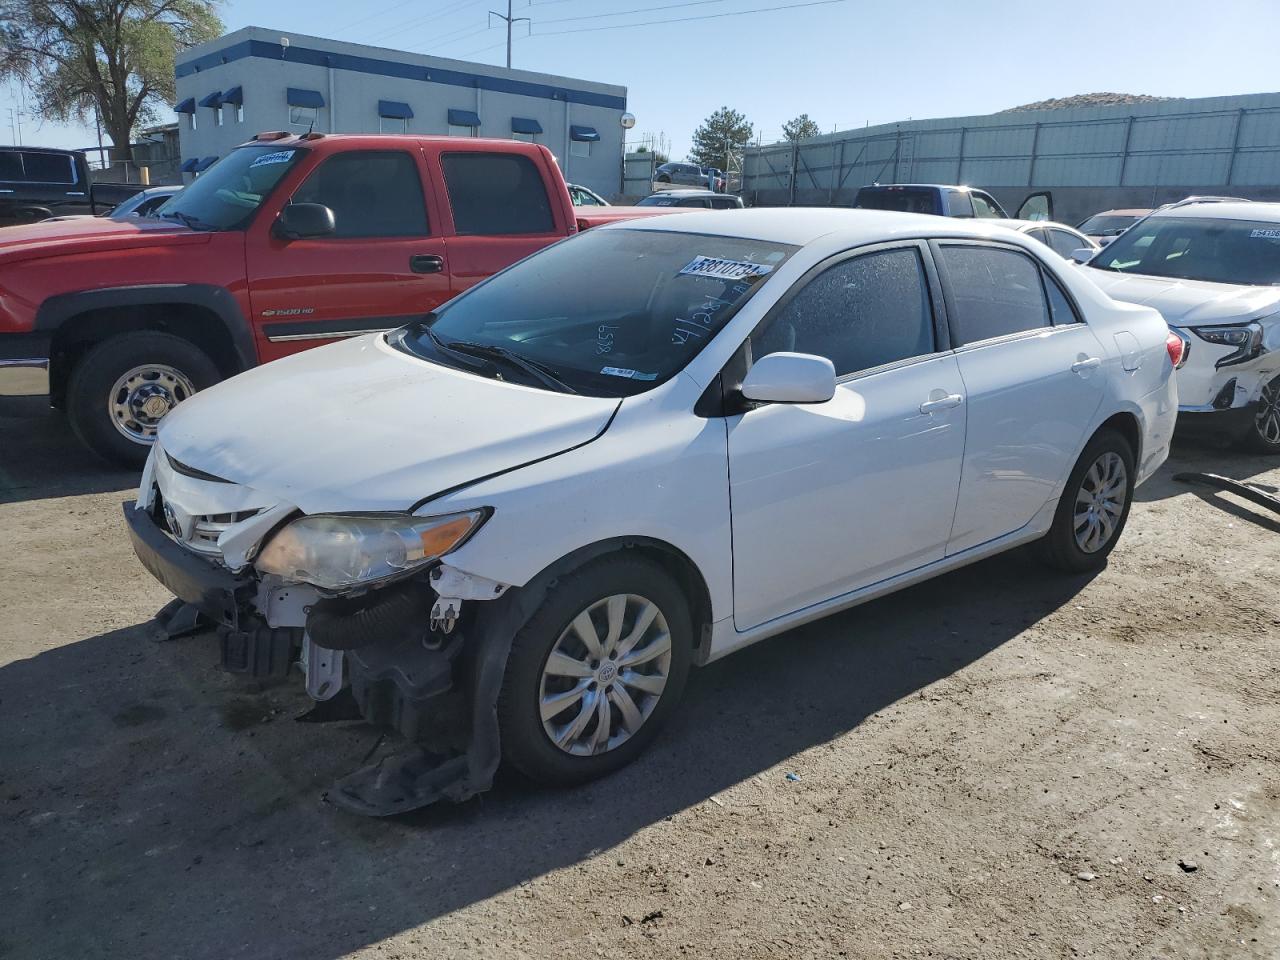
[(256, 79), (1091, 158)]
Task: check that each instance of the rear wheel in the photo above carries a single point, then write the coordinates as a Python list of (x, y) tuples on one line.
[(663, 178), (1264, 432), (123, 387), (1094, 507), (595, 672)]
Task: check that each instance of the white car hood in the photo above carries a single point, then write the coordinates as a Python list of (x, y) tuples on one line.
[(1190, 303), (360, 426)]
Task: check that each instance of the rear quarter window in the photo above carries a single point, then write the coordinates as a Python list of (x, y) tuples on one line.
[(495, 194)]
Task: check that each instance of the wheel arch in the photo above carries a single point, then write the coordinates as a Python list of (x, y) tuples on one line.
[(207, 316), (1128, 425)]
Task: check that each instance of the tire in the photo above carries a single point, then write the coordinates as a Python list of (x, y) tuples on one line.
[(1263, 435), (663, 178), (1061, 546), (526, 741), (123, 374)]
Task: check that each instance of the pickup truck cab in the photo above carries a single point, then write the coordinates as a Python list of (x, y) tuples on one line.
[(948, 200), (286, 243), (37, 183)]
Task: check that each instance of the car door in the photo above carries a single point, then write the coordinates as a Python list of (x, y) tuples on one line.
[(382, 265), (1033, 381), (830, 497), (499, 211), (1037, 206)]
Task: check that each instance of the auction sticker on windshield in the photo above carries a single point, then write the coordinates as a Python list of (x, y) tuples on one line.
[(722, 269), (280, 156)]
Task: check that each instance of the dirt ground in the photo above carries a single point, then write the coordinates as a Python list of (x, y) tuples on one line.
[(1000, 763)]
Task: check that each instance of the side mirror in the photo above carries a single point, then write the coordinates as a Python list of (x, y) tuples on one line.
[(1083, 255), (790, 378), (298, 221)]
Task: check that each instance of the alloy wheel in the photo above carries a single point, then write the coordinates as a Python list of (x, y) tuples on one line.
[(142, 396), (1267, 421), (605, 675), (1100, 502)]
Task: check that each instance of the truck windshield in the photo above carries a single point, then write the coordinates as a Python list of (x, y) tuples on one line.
[(610, 312), (226, 195), (1197, 248), (899, 199)]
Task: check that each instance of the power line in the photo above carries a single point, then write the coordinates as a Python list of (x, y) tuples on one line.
[(624, 13), (705, 16), (400, 28)]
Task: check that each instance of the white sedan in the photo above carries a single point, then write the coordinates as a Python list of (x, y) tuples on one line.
[(511, 527)]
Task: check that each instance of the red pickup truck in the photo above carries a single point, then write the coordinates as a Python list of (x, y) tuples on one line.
[(286, 243)]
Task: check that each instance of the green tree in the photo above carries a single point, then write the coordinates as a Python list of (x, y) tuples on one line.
[(720, 139), (115, 55), (801, 128)]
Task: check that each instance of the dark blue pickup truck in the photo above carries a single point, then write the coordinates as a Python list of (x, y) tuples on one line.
[(37, 183)]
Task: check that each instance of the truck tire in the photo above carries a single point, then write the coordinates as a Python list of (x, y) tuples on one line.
[(122, 387)]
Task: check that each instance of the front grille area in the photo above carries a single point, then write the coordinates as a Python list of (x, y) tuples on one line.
[(208, 527)]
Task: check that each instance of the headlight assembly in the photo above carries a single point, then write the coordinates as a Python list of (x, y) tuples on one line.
[(334, 551), (1245, 337)]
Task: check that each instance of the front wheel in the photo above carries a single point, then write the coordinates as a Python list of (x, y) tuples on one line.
[(595, 672), (123, 387), (1264, 431), (1094, 507)]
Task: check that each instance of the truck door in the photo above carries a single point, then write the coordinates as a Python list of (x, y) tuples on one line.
[(383, 265), (500, 210)]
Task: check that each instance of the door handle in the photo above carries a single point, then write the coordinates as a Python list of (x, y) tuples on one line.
[(942, 403), (426, 263), (1089, 363)]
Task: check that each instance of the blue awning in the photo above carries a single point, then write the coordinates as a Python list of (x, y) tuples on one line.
[(525, 125), (205, 164), (395, 110), (234, 95), (186, 106), (464, 118), (587, 134), (213, 100), (189, 166), (303, 98)]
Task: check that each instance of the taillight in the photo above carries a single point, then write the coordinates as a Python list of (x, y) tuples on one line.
[(1177, 348)]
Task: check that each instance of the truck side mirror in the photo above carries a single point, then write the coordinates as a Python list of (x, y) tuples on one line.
[(298, 221)]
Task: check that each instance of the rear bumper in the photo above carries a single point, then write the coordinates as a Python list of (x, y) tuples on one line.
[(24, 365)]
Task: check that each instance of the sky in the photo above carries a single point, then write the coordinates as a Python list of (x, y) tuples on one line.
[(845, 63)]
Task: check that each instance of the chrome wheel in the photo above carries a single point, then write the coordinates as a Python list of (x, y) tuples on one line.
[(141, 398), (1100, 502), (605, 675), (1267, 422)]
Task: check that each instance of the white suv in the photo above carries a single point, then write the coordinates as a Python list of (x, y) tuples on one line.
[(511, 526), (1212, 269)]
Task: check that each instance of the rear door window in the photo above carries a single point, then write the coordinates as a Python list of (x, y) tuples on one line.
[(959, 203), (1065, 243), (992, 292), (371, 194), (861, 313), (900, 199), (495, 194), (33, 166)]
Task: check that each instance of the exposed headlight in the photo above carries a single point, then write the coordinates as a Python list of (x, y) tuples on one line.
[(336, 551), (1246, 338)]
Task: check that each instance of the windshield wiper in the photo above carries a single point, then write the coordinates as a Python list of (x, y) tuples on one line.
[(490, 351), (193, 223)]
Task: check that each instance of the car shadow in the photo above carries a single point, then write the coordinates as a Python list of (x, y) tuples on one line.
[(155, 807), (40, 456)]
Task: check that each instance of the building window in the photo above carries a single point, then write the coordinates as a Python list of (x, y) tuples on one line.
[(456, 130), (303, 116), (579, 148), (523, 137), (393, 125), (239, 113), (217, 117), (191, 121)]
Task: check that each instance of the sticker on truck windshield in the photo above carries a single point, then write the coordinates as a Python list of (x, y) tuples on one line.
[(280, 156), (721, 269), (1273, 234), (629, 374)]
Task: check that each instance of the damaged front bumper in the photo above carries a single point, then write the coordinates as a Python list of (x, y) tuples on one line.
[(389, 647)]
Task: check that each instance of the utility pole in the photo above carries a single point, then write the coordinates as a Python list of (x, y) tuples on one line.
[(510, 21)]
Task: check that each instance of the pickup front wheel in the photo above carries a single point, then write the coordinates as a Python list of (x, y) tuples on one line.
[(123, 387)]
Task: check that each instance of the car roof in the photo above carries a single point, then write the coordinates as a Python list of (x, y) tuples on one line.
[(1028, 224), (802, 225), (1240, 210), (1123, 212), (917, 186), (691, 192)]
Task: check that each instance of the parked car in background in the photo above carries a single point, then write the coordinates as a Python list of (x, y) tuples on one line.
[(1212, 270), (693, 198), (37, 183), (285, 243), (508, 528), (141, 204), (1063, 240), (948, 200), (1109, 224), (687, 173), (583, 197)]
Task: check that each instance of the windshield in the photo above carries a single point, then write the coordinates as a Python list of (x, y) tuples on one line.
[(658, 200), (1107, 225), (1197, 248), (227, 195), (897, 199), (608, 313)]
